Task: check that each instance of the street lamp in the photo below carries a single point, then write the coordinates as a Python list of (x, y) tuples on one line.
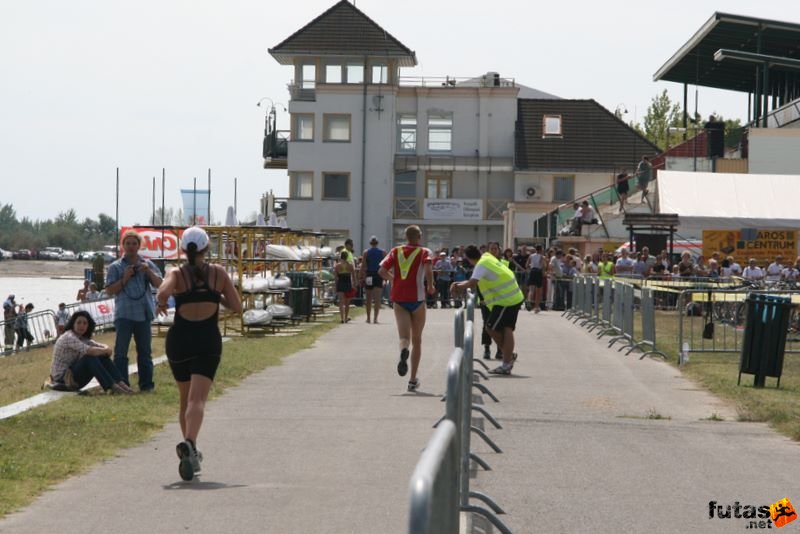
[(620, 110), (270, 114), (270, 124)]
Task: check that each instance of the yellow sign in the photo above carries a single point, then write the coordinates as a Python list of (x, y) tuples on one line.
[(763, 245)]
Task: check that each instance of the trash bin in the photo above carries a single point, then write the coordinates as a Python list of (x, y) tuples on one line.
[(764, 343), (300, 293)]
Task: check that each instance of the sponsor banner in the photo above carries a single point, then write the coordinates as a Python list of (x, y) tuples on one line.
[(453, 209), (195, 206), (156, 243), (763, 245)]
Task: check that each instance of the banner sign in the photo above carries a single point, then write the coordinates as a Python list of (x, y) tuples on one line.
[(156, 243), (763, 245), (195, 206), (453, 209)]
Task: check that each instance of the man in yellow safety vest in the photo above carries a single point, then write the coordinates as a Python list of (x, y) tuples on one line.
[(501, 295)]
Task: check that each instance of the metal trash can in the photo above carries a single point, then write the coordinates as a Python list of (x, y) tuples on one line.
[(764, 343), (300, 294)]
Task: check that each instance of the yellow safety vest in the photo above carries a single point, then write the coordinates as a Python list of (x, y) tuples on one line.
[(605, 269), (504, 291), (404, 262)]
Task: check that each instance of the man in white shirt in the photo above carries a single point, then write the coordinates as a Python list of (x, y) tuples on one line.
[(624, 265), (736, 269), (575, 223), (557, 272), (792, 272), (753, 272), (775, 270)]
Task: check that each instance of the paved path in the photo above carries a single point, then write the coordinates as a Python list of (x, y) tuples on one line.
[(326, 443)]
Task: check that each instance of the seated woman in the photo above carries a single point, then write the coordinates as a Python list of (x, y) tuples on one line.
[(83, 358)]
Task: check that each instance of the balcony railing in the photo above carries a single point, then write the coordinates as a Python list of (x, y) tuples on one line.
[(487, 80), (406, 208), (296, 92)]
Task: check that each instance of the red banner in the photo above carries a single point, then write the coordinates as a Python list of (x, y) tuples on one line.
[(156, 243)]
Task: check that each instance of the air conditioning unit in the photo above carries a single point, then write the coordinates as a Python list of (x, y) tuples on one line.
[(532, 192)]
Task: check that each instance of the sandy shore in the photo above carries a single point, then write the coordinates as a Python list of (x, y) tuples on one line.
[(43, 269)]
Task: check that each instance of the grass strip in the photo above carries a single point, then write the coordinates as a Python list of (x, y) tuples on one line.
[(44, 446), (718, 373)]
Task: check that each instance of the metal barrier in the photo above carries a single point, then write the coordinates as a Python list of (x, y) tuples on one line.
[(593, 292), (574, 307), (626, 312), (102, 311), (617, 314), (40, 331), (648, 314), (458, 411), (433, 488), (725, 309)]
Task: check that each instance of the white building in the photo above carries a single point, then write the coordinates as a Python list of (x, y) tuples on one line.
[(371, 152)]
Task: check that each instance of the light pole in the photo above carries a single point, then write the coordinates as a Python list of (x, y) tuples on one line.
[(619, 111), (270, 120)]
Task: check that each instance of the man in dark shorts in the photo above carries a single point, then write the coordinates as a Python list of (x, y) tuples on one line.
[(369, 277), (622, 189), (502, 296)]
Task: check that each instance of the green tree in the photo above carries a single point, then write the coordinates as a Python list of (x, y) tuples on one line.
[(663, 114)]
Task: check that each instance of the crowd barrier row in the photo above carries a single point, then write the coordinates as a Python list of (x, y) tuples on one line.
[(611, 305), (42, 325), (708, 315), (41, 330), (439, 488)]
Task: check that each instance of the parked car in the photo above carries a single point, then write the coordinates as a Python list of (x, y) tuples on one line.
[(22, 254), (67, 255), (6, 254), (50, 253), (86, 255)]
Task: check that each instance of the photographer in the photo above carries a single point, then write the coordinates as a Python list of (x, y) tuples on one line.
[(130, 280)]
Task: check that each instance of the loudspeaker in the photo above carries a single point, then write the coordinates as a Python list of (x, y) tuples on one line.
[(716, 139)]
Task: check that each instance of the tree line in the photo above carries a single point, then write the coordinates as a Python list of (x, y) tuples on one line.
[(664, 117), (65, 231)]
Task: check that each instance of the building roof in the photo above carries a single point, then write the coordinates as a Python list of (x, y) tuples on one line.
[(342, 30), (593, 138), (694, 62)]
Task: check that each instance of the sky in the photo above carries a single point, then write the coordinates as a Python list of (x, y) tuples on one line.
[(89, 86)]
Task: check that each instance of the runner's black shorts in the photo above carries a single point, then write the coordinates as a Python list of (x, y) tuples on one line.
[(373, 281), (503, 317), (194, 349), (535, 278)]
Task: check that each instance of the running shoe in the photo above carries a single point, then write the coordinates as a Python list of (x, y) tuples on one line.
[(501, 370), (487, 354), (498, 355), (188, 460), (413, 385), (402, 365)]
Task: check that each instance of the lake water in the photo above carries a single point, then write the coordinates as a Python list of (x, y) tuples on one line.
[(44, 293)]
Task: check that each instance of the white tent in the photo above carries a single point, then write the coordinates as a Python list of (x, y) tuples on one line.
[(723, 201)]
